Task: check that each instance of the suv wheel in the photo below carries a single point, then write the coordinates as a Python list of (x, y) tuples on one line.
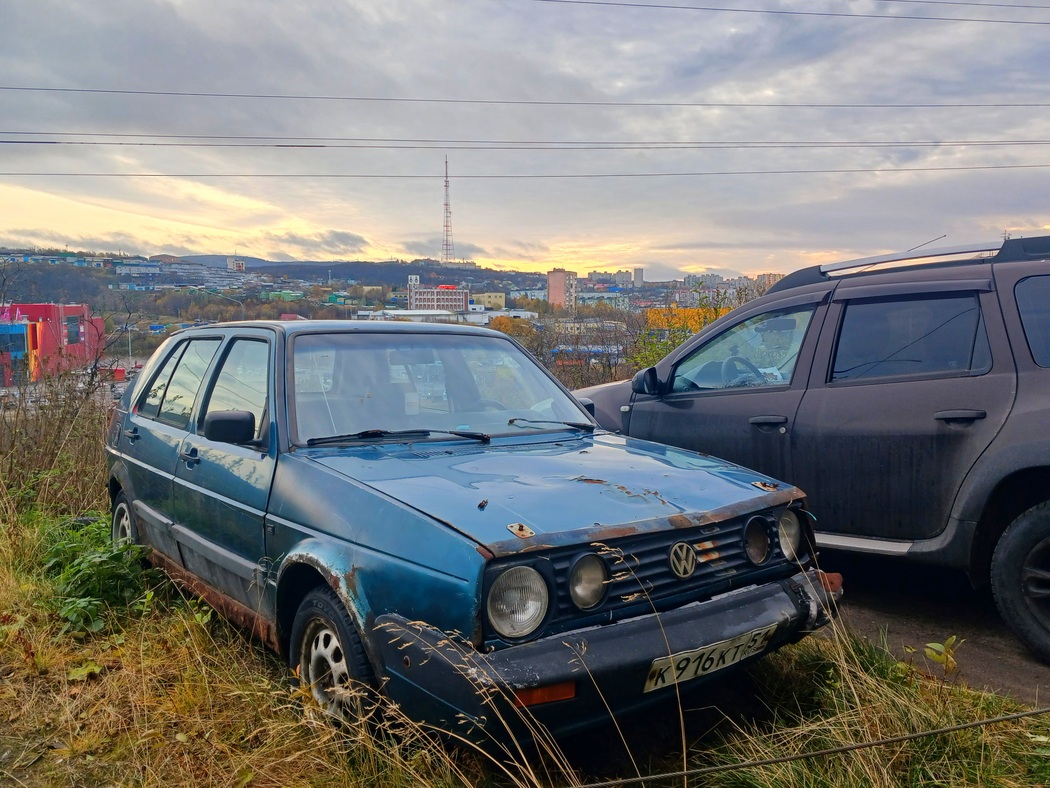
[(1021, 578), (327, 655)]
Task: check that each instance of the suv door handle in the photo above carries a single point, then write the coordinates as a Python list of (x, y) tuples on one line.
[(189, 457), (766, 420), (959, 415), (132, 434)]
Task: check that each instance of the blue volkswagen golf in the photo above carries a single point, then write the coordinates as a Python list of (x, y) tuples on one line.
[(425, 511)]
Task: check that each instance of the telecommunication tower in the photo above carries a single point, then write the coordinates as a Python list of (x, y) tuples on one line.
[(448, 249)]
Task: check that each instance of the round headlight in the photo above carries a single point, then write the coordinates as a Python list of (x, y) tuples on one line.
[(517, 602), (756, 540), (587, 581), (789, 529)]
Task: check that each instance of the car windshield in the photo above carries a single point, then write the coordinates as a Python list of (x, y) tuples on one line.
[(372, 386)]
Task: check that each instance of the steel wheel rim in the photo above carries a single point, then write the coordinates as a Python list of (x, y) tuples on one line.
[(323, 665), (122, 524), (1035, 581)]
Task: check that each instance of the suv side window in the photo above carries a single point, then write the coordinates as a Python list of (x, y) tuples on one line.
[(181, 391), (760, 351), (914, 335), (1033, 302), (242, 382)]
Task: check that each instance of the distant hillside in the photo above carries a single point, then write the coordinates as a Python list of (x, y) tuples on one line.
[(219, 260)]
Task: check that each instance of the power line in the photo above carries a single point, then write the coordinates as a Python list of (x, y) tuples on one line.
[(539, 146), (970, 5), (535, 103), (526, 176), (781, 12)]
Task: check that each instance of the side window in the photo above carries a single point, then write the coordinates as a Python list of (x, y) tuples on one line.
[(1033, 302), (761, 351), (149, 405), (912, 335), (182, 389), (243, 382)]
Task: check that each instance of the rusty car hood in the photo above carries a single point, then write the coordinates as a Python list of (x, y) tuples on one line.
[(513, 495)]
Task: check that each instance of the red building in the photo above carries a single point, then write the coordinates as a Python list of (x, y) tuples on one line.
[(48, 338)]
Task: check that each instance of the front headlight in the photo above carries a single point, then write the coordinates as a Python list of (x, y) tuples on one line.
[(790, 531), (756, 540), (517, 602), (587, 581)]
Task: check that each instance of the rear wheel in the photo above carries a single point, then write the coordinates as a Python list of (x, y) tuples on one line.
[(1021, 578), (327, 655), (122, 526)]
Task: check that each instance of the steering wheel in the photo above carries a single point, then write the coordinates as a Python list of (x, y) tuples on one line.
[(731, 372), (487, 404)]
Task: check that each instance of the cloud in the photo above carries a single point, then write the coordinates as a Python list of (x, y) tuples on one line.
[(281, 177)]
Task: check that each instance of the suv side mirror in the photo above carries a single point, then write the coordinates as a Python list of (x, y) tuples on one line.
[(588, 404), (646, 382), (230, 426)]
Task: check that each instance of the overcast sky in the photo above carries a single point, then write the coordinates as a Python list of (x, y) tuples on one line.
[(586, 135)]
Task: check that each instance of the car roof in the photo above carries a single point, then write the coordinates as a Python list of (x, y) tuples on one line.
[(1007, 251)]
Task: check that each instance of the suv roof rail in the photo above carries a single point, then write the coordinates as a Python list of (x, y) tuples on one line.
[(894, 257), (1010, 250)]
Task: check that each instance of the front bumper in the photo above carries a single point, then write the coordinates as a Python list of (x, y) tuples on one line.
[(442, 681)]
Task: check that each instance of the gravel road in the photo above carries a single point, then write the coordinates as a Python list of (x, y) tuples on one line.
[(908, 605)]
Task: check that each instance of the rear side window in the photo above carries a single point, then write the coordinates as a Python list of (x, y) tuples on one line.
[(922, 335), (1033, 302), (174, 396)]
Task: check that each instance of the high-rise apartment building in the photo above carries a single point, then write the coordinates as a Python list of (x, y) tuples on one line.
[(561, 288)]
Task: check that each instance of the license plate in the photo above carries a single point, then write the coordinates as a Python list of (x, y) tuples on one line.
[(687, 665)]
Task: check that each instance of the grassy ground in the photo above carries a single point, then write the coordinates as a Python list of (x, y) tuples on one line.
[(109, 676)]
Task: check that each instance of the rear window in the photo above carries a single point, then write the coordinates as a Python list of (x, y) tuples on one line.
[(1033, 302), (924, 335)]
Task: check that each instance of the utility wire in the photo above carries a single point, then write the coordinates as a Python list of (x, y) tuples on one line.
[(535, 103), (595, 143), (523, 176), (781, 12), (539, 146), (817, 753)]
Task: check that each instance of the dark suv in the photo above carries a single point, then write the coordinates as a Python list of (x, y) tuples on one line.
[(910, 399)]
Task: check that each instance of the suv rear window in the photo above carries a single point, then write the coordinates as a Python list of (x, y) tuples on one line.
[(926, 335), (1033, 302)]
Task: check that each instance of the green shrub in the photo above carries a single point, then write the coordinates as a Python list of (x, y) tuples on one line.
[(93, 575)]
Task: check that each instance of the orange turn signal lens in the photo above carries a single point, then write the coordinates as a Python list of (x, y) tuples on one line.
[(533, 696)]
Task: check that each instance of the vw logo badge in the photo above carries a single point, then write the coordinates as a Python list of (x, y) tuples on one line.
[(682, 559)]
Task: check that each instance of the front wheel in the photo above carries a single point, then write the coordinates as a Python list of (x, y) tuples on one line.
[(327, 654), (1021, 578)]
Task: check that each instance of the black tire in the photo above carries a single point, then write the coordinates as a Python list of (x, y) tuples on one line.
[(1021, 578), (326, 653), (122, 527)]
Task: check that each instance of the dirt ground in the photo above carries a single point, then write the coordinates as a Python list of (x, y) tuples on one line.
[(909, 605)]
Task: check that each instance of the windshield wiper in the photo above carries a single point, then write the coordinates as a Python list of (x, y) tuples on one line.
[(377, 433), (576, 425)]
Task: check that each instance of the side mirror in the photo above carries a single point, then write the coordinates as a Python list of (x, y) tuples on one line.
[(588, 404), (230, 426), (646, 382)]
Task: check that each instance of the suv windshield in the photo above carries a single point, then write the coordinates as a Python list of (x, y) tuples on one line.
[(354, 383)]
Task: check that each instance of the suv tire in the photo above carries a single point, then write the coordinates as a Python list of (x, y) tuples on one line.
[(1021, 578), (122, 525)]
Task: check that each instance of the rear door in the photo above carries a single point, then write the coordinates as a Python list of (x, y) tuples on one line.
[(733, 393), (904, 395), (222, 488), (154, 430)]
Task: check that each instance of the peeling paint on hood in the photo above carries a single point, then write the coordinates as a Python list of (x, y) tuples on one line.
[(556, 488)]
